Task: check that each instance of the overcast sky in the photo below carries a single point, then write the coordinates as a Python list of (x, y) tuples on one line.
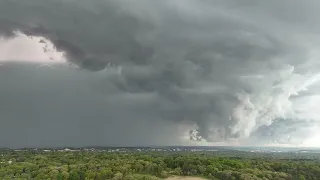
[(150, 72)]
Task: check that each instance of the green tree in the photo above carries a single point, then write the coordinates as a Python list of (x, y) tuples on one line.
[(74, 175), (118, 176)]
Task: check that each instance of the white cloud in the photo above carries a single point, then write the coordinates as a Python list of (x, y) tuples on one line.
[(29, 49)]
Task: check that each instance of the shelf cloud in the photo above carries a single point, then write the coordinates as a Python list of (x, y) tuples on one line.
[(228, 71)]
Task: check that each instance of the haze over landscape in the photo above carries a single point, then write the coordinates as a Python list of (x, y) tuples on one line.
[(156, 73)]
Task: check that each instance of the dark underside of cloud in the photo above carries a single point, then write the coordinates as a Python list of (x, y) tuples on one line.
[(67, 107), (235, 69)]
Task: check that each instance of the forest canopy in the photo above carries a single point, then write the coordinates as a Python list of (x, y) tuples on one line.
[(100, 165)]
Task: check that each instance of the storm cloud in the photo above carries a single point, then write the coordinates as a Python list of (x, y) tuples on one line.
[(237, 70)]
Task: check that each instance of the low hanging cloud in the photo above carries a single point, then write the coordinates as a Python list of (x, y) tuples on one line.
[(237, 70)]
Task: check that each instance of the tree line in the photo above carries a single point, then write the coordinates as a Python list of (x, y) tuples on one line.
[(150, 166)]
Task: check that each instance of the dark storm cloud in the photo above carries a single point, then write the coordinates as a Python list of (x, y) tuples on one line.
[(62, 107), (228, 66)]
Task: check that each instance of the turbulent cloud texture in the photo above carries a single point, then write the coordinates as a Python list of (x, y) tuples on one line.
[(239, 70)]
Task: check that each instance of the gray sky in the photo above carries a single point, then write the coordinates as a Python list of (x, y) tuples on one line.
[(238, 72)]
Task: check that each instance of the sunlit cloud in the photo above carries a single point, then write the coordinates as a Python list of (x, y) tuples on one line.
[(29, 49)]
